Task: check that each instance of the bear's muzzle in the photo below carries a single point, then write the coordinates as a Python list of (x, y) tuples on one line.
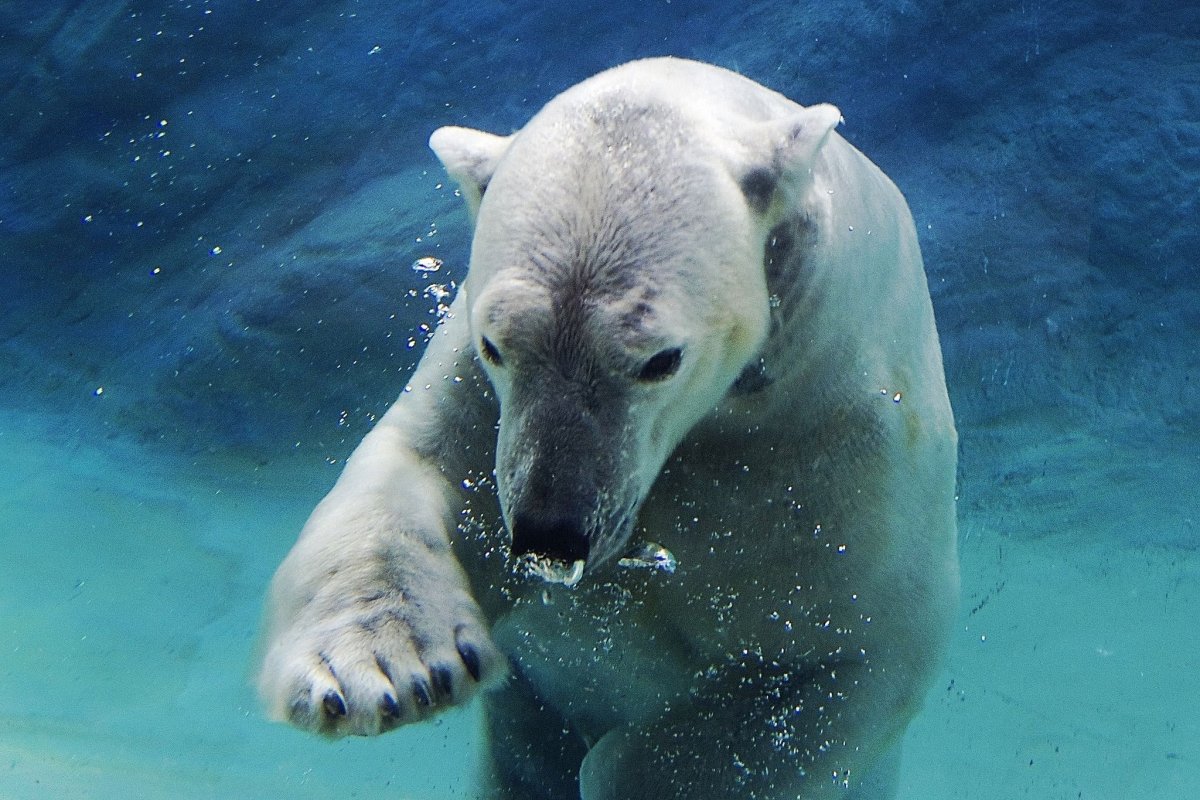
[(549, 535)]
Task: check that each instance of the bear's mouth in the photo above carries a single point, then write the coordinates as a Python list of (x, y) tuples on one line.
[(552, 570), (647, 555), (560, 549)]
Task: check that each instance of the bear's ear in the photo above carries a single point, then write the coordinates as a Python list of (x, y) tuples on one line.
[(803, 136), (793, 143), (470, 157)]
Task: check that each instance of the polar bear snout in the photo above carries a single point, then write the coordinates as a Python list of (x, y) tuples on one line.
[(550, 536), (557, 460)]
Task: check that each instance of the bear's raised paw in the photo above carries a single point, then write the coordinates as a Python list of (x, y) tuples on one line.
[(377, 663)]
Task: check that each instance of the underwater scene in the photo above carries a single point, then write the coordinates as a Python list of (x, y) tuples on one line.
[(226, 243)]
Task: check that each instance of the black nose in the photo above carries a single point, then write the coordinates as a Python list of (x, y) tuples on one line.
[(549, 537)]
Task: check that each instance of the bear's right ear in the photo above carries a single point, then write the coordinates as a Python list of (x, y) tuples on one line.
[(470, 157), (793, 144)]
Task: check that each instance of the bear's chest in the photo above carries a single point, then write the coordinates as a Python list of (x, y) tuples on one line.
[(762, 574), (624, 650), (602, 654)]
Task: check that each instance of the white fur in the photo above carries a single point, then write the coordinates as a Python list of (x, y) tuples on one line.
[(799, 463)]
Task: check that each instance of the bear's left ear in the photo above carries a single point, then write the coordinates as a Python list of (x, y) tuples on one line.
[(793, 144), (470, 157)]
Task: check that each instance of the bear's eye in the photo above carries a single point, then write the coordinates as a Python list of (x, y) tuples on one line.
[(490, 353), (661, 365)]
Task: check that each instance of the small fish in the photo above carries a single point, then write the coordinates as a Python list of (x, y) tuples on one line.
[(650, 555)]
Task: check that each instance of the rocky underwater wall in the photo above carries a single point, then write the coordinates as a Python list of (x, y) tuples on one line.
[(210, 213)]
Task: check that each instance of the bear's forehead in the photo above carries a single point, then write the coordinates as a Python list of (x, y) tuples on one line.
[(615, 149), (619, 118), (610, 258), (596, 216), (619, 303), (601, 220)]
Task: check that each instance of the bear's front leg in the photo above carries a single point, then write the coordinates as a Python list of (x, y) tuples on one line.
[(768, 734), (372, 623)]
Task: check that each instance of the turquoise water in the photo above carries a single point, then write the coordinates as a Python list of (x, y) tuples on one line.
[(207, 220), (133, 583), (130, 605)]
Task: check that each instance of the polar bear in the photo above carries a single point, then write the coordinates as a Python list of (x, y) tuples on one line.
[(674, 477)]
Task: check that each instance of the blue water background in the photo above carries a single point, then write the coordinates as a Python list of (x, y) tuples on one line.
[(208, 217)]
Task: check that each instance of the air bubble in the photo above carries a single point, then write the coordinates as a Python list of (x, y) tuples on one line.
[(427, 264)]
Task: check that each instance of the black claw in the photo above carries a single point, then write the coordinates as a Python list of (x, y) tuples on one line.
[(470, 657), (443, 680), (334, 705), (389, 706), (421, 692)]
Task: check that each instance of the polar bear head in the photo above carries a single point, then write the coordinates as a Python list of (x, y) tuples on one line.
[(616, 291)]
